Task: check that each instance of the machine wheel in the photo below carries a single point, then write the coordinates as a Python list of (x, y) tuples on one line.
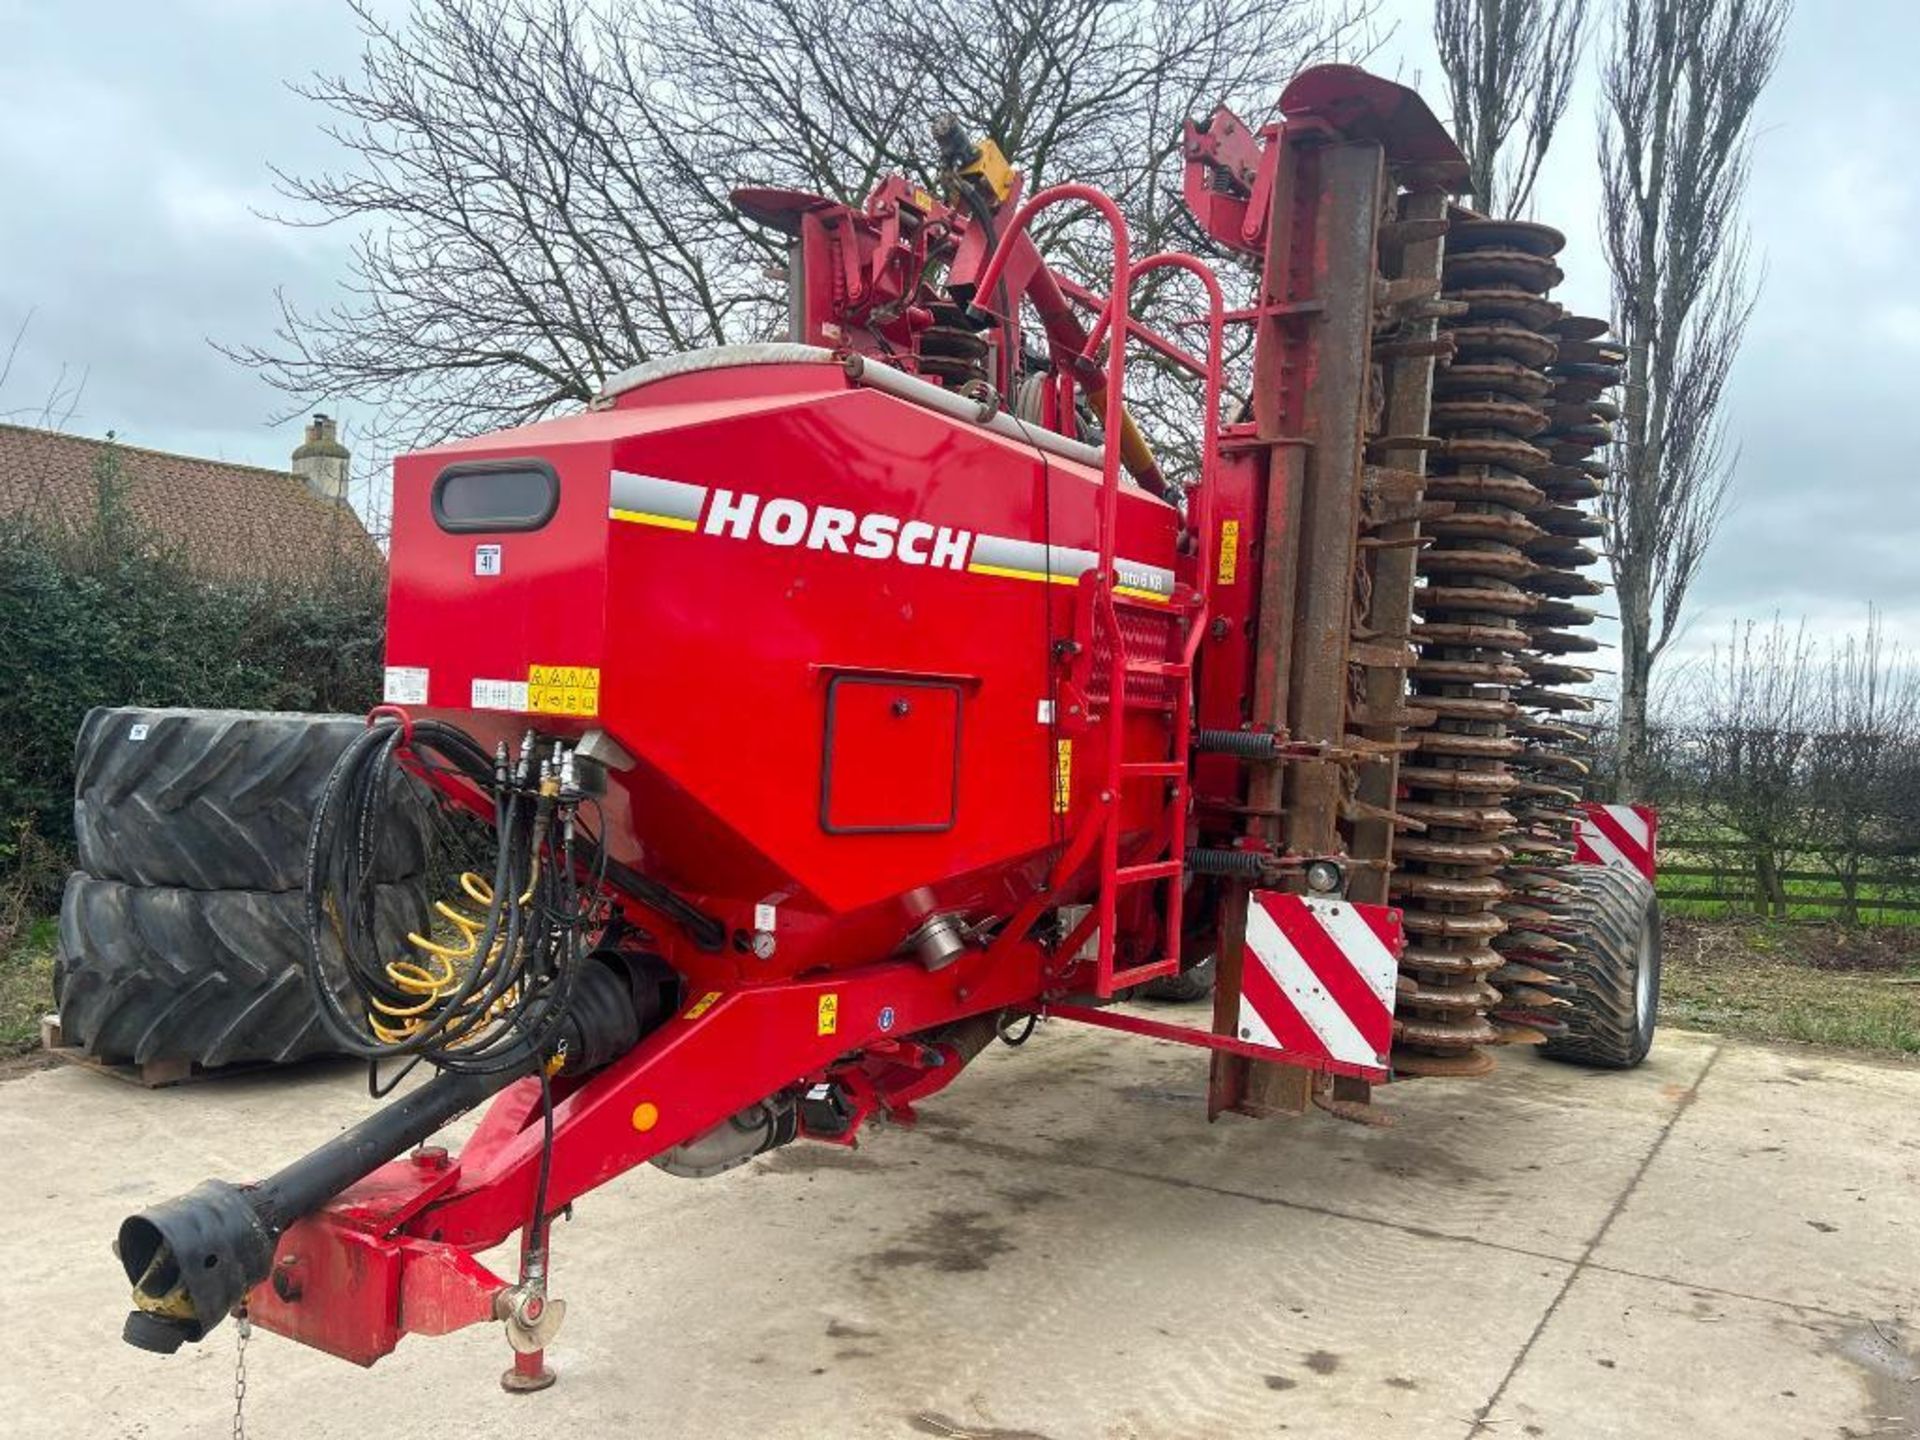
[(213, 976), (217, 799), (1193, 983), (1615, 969)]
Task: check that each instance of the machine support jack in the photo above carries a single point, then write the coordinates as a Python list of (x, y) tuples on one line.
[(532, 1317)]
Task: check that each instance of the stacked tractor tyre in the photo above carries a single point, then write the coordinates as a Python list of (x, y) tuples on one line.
[(183, 931)]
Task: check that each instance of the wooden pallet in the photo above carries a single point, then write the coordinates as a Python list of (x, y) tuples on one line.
[(149, 1075)]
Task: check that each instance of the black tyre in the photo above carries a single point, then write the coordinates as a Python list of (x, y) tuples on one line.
[(217, 799), (1615, 970), (213, 976), (1193, 983)]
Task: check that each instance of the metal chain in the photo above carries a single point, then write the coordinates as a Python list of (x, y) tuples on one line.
[(244, 1330)]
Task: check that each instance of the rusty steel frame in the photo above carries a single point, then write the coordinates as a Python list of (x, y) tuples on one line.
[(1408, 382), (1312, 353)]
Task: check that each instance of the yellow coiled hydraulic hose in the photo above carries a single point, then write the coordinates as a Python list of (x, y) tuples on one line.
[(442, 969)]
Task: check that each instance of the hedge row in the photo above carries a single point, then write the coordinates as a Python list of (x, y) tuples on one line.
[(99, 614)]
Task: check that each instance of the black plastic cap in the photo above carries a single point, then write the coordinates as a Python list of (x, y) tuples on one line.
[(157, 1333)]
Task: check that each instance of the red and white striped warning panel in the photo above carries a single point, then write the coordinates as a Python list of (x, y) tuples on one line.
[(1317, 982), (1619, 835)]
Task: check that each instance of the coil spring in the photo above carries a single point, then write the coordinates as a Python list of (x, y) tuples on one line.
[(1241, 744), (442, 969), (1231, 864)]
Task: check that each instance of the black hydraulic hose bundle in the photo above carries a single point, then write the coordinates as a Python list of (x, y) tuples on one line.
[(488, 993), (488, 998)]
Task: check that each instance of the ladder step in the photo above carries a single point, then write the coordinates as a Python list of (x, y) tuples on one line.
[(1146, 769), (1152, 870), (1172, 668), (1152, 970)]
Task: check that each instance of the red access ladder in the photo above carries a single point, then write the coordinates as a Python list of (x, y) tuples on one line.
[(1136, 684), (1165, 686)]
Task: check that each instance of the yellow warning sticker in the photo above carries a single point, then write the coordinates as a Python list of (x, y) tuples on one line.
[(1062, 776), (1229, 551), (563, 689), (701, 1006), (829, 1012)]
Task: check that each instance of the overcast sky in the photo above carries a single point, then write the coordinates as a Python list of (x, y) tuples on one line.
[(135, 140)]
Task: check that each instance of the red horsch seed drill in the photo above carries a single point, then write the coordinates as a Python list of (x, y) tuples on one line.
[(837, 703)]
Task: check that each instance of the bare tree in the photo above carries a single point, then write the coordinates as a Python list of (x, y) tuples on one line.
[(541, 188), (1863, 780), (1679, 88), (1510, 66), (56, 408), (1807, 757), (1753, 717)]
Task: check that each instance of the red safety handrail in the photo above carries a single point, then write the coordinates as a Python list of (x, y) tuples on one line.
[(1114, 319), (1115, 310), (1200, 521)]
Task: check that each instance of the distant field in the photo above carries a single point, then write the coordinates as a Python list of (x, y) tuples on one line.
[(1711, 877)]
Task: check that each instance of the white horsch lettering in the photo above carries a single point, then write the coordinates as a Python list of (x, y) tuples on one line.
[(874, 536)]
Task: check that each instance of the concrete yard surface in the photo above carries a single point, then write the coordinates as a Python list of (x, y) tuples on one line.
[(1725, 1242)]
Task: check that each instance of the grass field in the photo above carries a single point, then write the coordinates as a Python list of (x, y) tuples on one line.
[(1707, 873), (1703, 897), (1857, 989)]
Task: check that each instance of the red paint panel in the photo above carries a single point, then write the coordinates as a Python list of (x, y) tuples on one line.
[(892, 754), (715, 648)]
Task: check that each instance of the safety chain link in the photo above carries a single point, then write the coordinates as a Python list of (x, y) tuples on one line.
[(243, 1328)]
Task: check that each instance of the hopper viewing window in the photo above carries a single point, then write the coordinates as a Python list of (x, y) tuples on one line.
[(509, 495)]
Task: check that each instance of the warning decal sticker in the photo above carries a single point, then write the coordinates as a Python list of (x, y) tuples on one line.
[(1229, 551), (563, 689), (405, 685)]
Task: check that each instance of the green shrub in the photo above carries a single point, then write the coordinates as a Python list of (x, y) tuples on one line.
[(100, 614)]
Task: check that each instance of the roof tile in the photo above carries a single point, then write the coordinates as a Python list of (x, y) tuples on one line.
[(230, 522)]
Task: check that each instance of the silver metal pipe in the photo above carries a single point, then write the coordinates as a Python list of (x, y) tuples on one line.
[(878, 375)]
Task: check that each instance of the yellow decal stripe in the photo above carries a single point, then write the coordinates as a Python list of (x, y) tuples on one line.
[(1137, 594), (665, 522), (1005, 573)]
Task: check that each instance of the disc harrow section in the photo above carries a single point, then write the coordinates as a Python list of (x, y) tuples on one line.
[(1553, 764), (1491, 777)]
